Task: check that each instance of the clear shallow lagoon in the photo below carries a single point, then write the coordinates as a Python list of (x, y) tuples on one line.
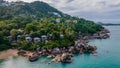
[(108, 56)]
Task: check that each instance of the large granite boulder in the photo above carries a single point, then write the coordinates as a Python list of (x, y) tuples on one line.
[(66, 58)]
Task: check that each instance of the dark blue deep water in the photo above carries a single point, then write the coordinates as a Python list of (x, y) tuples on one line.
[(108, 56)]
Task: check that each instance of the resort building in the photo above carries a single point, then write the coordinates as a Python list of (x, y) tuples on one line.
[(61, 36), (20, 30), (10, 38), (36, 40), (72, 21), (43, 37), (58, 20), (29, 39), (50, 36), (18, 37)]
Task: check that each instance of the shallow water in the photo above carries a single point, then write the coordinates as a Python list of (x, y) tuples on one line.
[(108, 56)]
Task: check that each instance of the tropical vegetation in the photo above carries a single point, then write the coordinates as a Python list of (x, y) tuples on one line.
[(37, 19)]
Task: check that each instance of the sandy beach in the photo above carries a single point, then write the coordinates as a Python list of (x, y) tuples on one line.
[(8, 53)]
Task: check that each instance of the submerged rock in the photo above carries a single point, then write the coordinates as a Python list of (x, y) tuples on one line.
[(22, 52), (33, 57), (50, 56), (94, 53)]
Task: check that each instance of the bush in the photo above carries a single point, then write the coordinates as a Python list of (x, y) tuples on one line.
[(4, 47)]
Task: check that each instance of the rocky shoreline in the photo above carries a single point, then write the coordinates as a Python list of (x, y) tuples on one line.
[(64, 54)]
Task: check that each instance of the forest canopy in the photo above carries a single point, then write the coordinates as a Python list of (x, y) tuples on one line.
[(38, 19)]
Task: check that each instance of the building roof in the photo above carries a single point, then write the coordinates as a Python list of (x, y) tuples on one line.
[(43, 36), (36, 38), (18, 35), (28, 38)]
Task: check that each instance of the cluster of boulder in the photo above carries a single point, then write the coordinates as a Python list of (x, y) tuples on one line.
[(32, 56), (64, 54), (103, 34), (64, 58), (79, 47)]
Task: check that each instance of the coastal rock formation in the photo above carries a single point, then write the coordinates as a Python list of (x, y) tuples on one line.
[(56, 51), (51, 56), (84, 48), (22, 52), (64, 54), (66, 58), (34, 57), (103, 34), (79, 47)]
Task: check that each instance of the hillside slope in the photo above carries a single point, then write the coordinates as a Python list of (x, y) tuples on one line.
[(35, 10)]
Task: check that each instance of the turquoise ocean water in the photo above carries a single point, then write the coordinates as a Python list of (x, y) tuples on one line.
[(108, 56)]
